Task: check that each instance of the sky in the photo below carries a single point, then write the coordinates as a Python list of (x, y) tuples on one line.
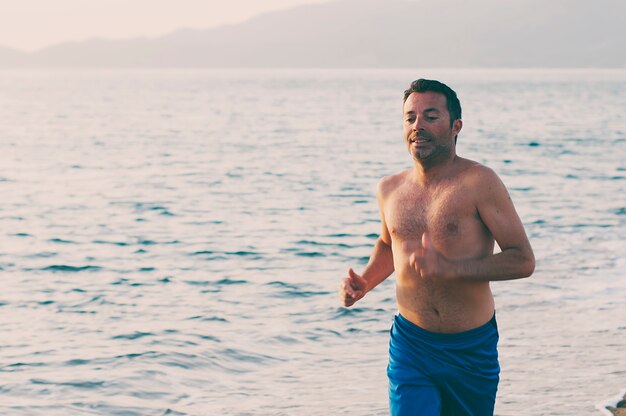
[(30, 25)]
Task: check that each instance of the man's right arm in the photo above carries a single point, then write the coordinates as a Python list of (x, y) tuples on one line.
[(380, 265)]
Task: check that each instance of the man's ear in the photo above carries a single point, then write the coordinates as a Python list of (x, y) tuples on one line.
[(457, 125)]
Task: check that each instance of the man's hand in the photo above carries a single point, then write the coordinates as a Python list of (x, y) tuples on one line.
[(352, 288), (429, 263)]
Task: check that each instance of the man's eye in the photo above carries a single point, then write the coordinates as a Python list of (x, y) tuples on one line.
[(431, 118), (410, 120)]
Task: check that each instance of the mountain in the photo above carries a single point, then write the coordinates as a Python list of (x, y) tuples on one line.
[(375, 33), (11, 57)]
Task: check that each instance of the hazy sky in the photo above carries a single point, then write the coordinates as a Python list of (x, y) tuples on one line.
[(33, 24)]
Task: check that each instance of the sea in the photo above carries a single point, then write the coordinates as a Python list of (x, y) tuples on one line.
[(172, 241)]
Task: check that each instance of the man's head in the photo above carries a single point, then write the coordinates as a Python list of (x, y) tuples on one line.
[(432, 121), (427, 85)]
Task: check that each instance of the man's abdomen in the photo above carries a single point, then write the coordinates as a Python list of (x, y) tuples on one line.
[(443, 307)]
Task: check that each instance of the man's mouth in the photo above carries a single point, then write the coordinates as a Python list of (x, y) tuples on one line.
[(418, 139)]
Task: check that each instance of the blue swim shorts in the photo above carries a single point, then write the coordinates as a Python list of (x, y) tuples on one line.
[(442, 374)]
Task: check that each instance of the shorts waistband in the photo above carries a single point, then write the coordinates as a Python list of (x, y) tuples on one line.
[(409, 326)]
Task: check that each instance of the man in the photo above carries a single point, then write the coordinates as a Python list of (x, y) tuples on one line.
[(439, 223)]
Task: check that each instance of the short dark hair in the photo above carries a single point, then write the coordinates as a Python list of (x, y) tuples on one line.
[(425, 85)]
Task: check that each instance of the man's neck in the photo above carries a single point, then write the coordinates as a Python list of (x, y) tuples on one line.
[(429, 172)]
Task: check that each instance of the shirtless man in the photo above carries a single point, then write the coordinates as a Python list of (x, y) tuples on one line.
[(439, 223)]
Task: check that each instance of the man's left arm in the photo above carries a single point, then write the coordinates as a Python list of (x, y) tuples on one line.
[(497, 212), (495, 207)]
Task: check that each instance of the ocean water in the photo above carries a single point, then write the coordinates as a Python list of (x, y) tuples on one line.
[(171, 241)]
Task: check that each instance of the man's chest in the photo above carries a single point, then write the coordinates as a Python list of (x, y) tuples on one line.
[(444, 214)]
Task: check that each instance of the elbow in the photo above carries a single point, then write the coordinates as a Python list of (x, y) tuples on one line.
[(529, 265), (382, 241)]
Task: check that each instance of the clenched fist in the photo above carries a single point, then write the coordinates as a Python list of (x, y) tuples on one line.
[(352, 288)]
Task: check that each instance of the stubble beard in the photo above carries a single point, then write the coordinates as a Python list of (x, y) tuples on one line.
[(430, 156)]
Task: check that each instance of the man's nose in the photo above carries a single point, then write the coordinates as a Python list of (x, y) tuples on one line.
[(417, 125)]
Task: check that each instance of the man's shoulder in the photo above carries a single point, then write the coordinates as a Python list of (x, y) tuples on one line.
[(388, 184), (483, 181), (473, 171)]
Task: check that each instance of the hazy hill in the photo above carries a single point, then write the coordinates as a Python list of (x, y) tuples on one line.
[(376, 33), (10, 57)]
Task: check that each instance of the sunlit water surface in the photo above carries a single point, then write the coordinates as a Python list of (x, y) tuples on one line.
[(171, 241)]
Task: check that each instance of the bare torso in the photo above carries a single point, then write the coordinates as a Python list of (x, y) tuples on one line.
[(447, 211)]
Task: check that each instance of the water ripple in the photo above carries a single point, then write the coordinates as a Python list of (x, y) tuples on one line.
[(155, 264)]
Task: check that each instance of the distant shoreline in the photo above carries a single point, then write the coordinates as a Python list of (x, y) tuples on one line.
[(476, 69)]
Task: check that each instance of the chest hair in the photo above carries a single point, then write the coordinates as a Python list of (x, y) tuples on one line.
[(412, 212)]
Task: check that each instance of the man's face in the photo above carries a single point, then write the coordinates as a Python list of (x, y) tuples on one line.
[(427, 129)]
